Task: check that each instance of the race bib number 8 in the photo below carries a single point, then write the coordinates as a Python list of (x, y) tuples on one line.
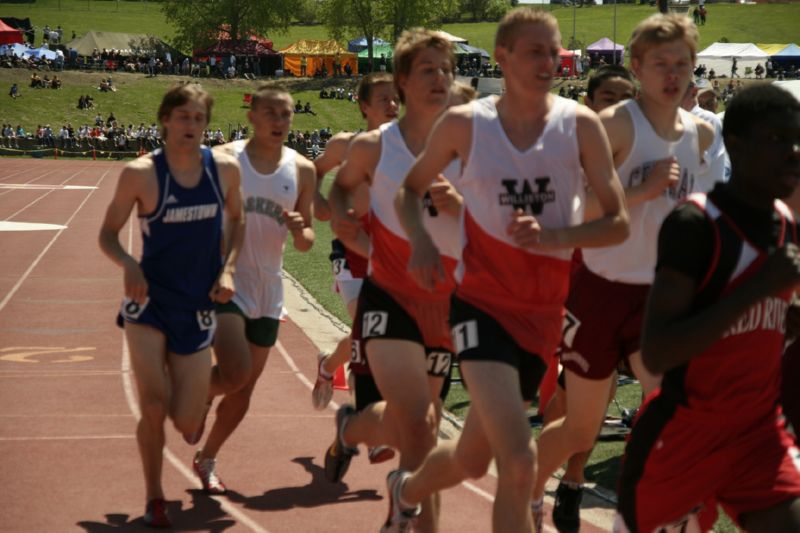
[(131, 309), (206, 319), (355, 353)]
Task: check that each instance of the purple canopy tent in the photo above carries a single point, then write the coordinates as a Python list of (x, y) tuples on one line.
[(606, 49)]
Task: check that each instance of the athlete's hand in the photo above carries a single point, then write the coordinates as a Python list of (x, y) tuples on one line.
[(425, 264), (665, 173), (781, 270), (223, 288), (322, 211), (444, 196), (346, 228), (135, 282), (294, 221), (527, 233)]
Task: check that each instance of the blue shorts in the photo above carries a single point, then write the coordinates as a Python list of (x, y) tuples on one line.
[(186, 331)]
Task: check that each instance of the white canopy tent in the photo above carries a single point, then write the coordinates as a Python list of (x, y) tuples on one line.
[(793, 86), (719, 56)]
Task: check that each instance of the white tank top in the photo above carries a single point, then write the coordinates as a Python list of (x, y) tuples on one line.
[(259, 287), (389, 248), (634, 261)]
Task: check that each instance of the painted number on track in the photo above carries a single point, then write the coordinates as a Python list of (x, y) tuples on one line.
[(45, 354)]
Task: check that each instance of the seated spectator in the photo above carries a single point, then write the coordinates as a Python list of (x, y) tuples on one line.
[(88, 101), (307, 109), (36, 81), (298, 107), (98, 120), (14, 92), (56, 83), (45, 84), (231, 72), (81, 102), (219, 137), (111, 120), (323, 93)]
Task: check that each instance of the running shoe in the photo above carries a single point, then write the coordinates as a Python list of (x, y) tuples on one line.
[(206, 470), (399, 520), (339, 454), (567, 509), (323, 387), (155, 514), (380, 454), (194, 438)]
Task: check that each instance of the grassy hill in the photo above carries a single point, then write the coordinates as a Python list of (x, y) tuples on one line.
[(761, 23)]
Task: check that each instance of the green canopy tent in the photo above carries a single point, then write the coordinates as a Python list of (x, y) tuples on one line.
[(363, 58)]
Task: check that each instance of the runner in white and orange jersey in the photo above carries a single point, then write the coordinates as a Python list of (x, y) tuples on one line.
[(523, 188), (404, 328), (657, 149), (378, 103)]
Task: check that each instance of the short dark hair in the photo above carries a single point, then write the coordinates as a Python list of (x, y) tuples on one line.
[(367, 83), (754, 102), (265, 91), (178, 95), (604, 73)]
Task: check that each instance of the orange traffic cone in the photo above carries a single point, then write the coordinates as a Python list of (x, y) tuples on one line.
[(55, 153), (94, 154), (339, 379)]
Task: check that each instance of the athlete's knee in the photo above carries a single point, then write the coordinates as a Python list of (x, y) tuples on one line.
[(518, 467), (234, 379), (582, 434), (154, 410)]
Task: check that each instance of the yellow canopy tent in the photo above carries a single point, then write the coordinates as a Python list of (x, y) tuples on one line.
[(771, 48), (316, 54)]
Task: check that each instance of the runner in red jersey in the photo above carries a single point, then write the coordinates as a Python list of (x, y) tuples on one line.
[(715, 327), (523, 189)]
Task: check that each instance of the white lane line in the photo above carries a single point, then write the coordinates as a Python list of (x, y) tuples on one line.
[(133, 405), (27, 273), (5, 225), (40, 176), (40, 187), (72, 437), (48, 193)]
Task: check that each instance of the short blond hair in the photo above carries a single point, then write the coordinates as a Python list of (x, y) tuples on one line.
[(512, 23), (411, 43), (659, 29)]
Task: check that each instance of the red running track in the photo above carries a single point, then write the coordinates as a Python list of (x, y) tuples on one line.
[(68, 456)]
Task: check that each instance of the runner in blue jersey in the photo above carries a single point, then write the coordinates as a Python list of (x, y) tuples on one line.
[(181, 193)]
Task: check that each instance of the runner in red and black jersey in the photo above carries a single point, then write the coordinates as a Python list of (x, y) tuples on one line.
[(715, 325)]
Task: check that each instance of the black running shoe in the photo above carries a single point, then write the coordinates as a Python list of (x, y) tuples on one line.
[(567, 509), (338, 456)]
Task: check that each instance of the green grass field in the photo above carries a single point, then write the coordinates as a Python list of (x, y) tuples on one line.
[(761, 23)]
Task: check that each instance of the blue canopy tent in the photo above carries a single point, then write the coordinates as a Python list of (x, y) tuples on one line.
[(41, 52), (789, 56), (359, 44), (474, 50)]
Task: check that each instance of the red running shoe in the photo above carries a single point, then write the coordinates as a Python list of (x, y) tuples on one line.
[(155, 514)]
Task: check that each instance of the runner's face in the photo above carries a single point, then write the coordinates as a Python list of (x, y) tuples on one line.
[(531, 62), (665, 71), (185, 124), (383, 105), (428, 82), (610, 92), (770, 154), (272, 118)]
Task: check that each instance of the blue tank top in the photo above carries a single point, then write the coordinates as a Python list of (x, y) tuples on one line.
[(182, 237)]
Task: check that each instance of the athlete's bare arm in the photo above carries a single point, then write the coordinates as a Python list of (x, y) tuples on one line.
[(672, 335), (335, 151), (231, 183), (299, 220), (138, 187), (450, 139), (706, 133), (358, 168), (612, 225), (664, 173)]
